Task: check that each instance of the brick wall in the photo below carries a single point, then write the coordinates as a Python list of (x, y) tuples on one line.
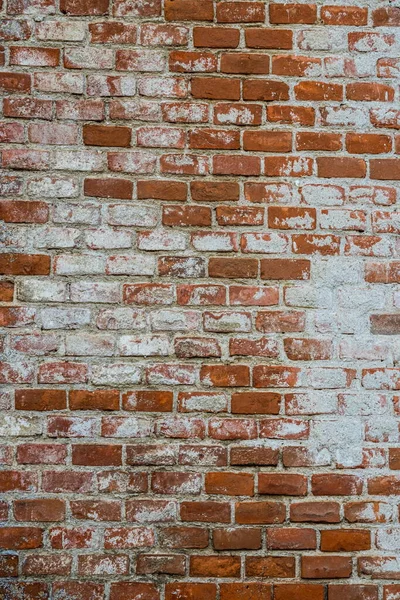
[(199, 296)]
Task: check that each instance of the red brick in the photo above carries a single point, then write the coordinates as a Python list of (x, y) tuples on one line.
[(214, 139), (385, 168), (253, 295), (353, 592), (230, 484), (185, 537), (39, 510), (109, 188), (237, 114), (225, 375), (190, 591), (201, 294), (12, 133), (152, 8), (29, 591), (288, 217), (96, 400), (23, 212), (318, 91), (296, 115), (101, 135), (316, 244), (267, 141), (20, 538), (321, 567), (214, 191), (357, 143), (194, 10), (9, 566), (84, 7), (215, 89), (34, 57), (253, 456), (182, 61), (216, 37), (175, 483), (45, 564), (189, 216), (315, 512), (275, 376), (341, 167), (336, 485), (244, 63), (345, 540), (292, 13), (83, 590), (24, 264), (16, 317), (307, 349), (148, 401), (6, 291), (101, 510), (249, 590), (112, 32), (299, 591), (240, 12), (291, 429), (40, 399), (236, 216), (386, 16), (103, 564), (236, 165), (310, 140), (277, 268), (280, 39), (205, 512), (279, 166), (294, 66), (192, 165), (266, 90), (255, 403), (181, 267), (96, 455), (374, 92), (366, 512), (237, 539), (162, 190), (280, 321), (67, 481), (344, 15), (271, 567), (233, 268), (70, 538), (170, 565), (248, 347), (15, 82), (41, 454), (287, 538), (249, 513), (282, 484), (385, 324), (214, 566)]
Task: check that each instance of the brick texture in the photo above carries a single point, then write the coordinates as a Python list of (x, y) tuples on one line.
[(199, 300)]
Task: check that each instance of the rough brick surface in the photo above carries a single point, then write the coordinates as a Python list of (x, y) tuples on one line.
[(199, 301)]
